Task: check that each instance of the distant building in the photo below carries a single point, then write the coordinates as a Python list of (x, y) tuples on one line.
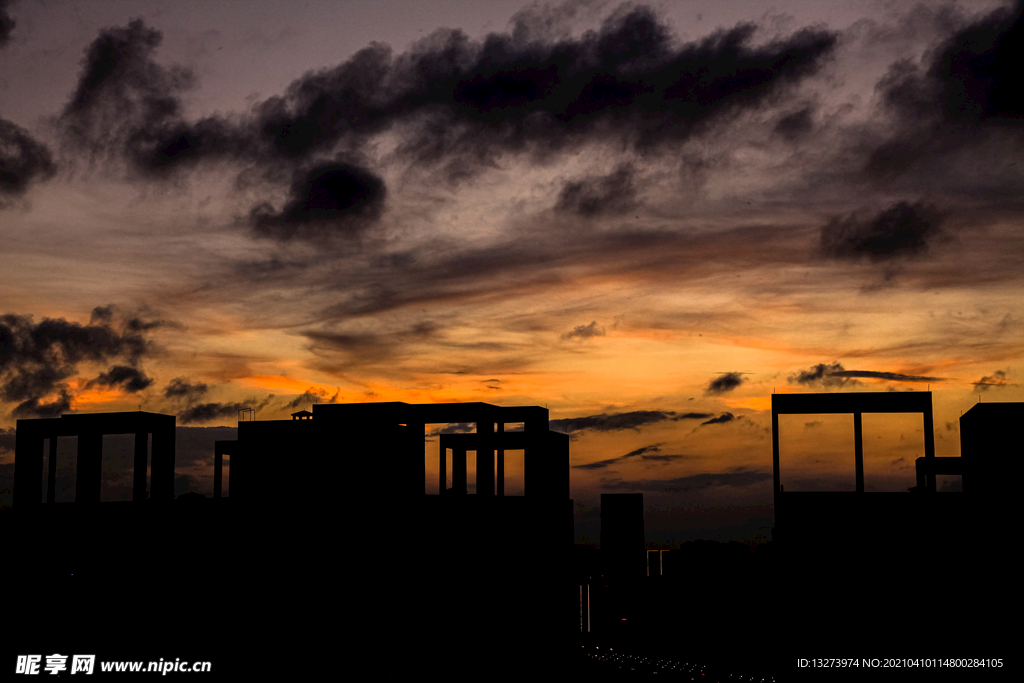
[(623, 542)]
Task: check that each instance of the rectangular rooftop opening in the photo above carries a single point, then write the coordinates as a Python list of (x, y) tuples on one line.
[(817, 452)]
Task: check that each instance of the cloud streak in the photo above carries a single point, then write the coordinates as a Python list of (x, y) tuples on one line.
[(651, 452), (735, 477)]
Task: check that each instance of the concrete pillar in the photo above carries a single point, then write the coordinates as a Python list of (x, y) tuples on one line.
[(161, 477), (929, 447), (776, 474), (51, 476), (533, 456), (89, 467), (500, 469), (141, 458), (858, 447), (485, 458)]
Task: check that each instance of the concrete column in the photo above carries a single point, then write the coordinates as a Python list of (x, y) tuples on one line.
[(929, 448), (858, 447), (776, 474), (89, 467), (161, 477), (533, 456), (141, 458), (51, 476), (485, 458), (500, 471)]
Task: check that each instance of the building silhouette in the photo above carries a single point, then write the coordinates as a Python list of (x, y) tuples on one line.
[(919, 568), (327, 533), (865, 522)]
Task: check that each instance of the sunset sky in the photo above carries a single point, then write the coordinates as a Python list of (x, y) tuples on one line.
[(646, 217)]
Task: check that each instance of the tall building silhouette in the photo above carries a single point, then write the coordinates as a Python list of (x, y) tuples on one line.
[(291, 558), (918, 568)]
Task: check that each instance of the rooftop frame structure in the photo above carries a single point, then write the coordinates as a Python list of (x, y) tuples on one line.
[(857, 404), (90, 429)]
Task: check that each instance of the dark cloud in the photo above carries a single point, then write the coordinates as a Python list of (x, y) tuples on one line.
[(335, 198), (996, 379), (611, 194), (797, 124), (124, 99), (37, 358), (629, 80), (22, 161), (182, 387), (313, 396), (738, 476), (725, 382), (901, 230), (975, 76), (7, 24), (129, 379), (34, 407), (453, 103), (822, 375), (646, 452), (610, 423), (204, 412), (894, 376), (455, 428), (585, 331), (968, 86), (721, 419)]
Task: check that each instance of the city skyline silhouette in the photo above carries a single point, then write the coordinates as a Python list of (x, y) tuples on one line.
[(469, 543)]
